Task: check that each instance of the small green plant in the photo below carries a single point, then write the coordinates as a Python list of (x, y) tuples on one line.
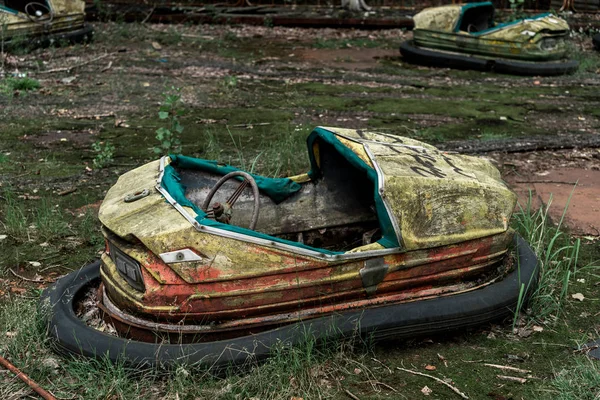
[(516, 6), (268, 22), (170, 111), (231, 36), (229, 82), (104, 154)]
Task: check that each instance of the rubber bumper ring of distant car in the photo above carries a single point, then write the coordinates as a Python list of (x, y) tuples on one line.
[(71, 335), (431, 58), (596, 41)]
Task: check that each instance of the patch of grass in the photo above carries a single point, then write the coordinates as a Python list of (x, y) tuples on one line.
[(280, 153), (580, 381), (9, 85), (41, 221), (309, 370), (557, 255), (49, 221), (14, 221), (589, 62), (24, 343), (88, 228)]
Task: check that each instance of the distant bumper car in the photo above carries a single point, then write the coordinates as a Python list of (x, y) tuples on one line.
[(466, 37), (41, 23), (385, 236)]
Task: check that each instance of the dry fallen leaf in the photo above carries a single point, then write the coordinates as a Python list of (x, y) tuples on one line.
[(156, 46), (357, 371), (537, 328), (426, 391), (430, 367), (578, 296)]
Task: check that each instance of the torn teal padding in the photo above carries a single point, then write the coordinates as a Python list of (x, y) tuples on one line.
[(389, 239), (278, 189), (171, 182)]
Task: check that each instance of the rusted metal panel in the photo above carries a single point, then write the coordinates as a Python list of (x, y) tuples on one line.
[(291, 289)]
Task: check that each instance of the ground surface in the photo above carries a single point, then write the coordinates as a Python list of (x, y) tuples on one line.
[(250, 96)]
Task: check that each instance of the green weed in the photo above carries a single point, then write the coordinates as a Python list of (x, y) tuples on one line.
[(104, 154), (170, 111)]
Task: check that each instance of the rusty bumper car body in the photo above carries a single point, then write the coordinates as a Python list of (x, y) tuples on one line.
[(25, 23), (384, 233), (466, 36)]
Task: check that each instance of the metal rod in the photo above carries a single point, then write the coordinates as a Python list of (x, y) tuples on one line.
[(31, 383)]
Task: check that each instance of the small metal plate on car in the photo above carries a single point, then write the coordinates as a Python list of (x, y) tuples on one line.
[(136, 196), (373, 273), (178, 256)]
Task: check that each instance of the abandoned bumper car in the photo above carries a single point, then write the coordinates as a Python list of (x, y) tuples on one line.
[(42, 22), (466, 37), (385, 236)]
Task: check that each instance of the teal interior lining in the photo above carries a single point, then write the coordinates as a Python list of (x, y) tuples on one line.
[(8, 10), (389, 239), (278, 189)]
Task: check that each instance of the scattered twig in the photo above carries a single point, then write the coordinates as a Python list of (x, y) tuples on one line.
[(508, 368), (553, 344), (249, 125), (149, 15), (95, 116), (49, 267), (385, 366), (547, 181), (67, 69), (352, 396), (471, 361), (24, 278), (385, 385), (107, 67), (31, 383), (511, 378), (67, 191), (205, 37), (454, 389)]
